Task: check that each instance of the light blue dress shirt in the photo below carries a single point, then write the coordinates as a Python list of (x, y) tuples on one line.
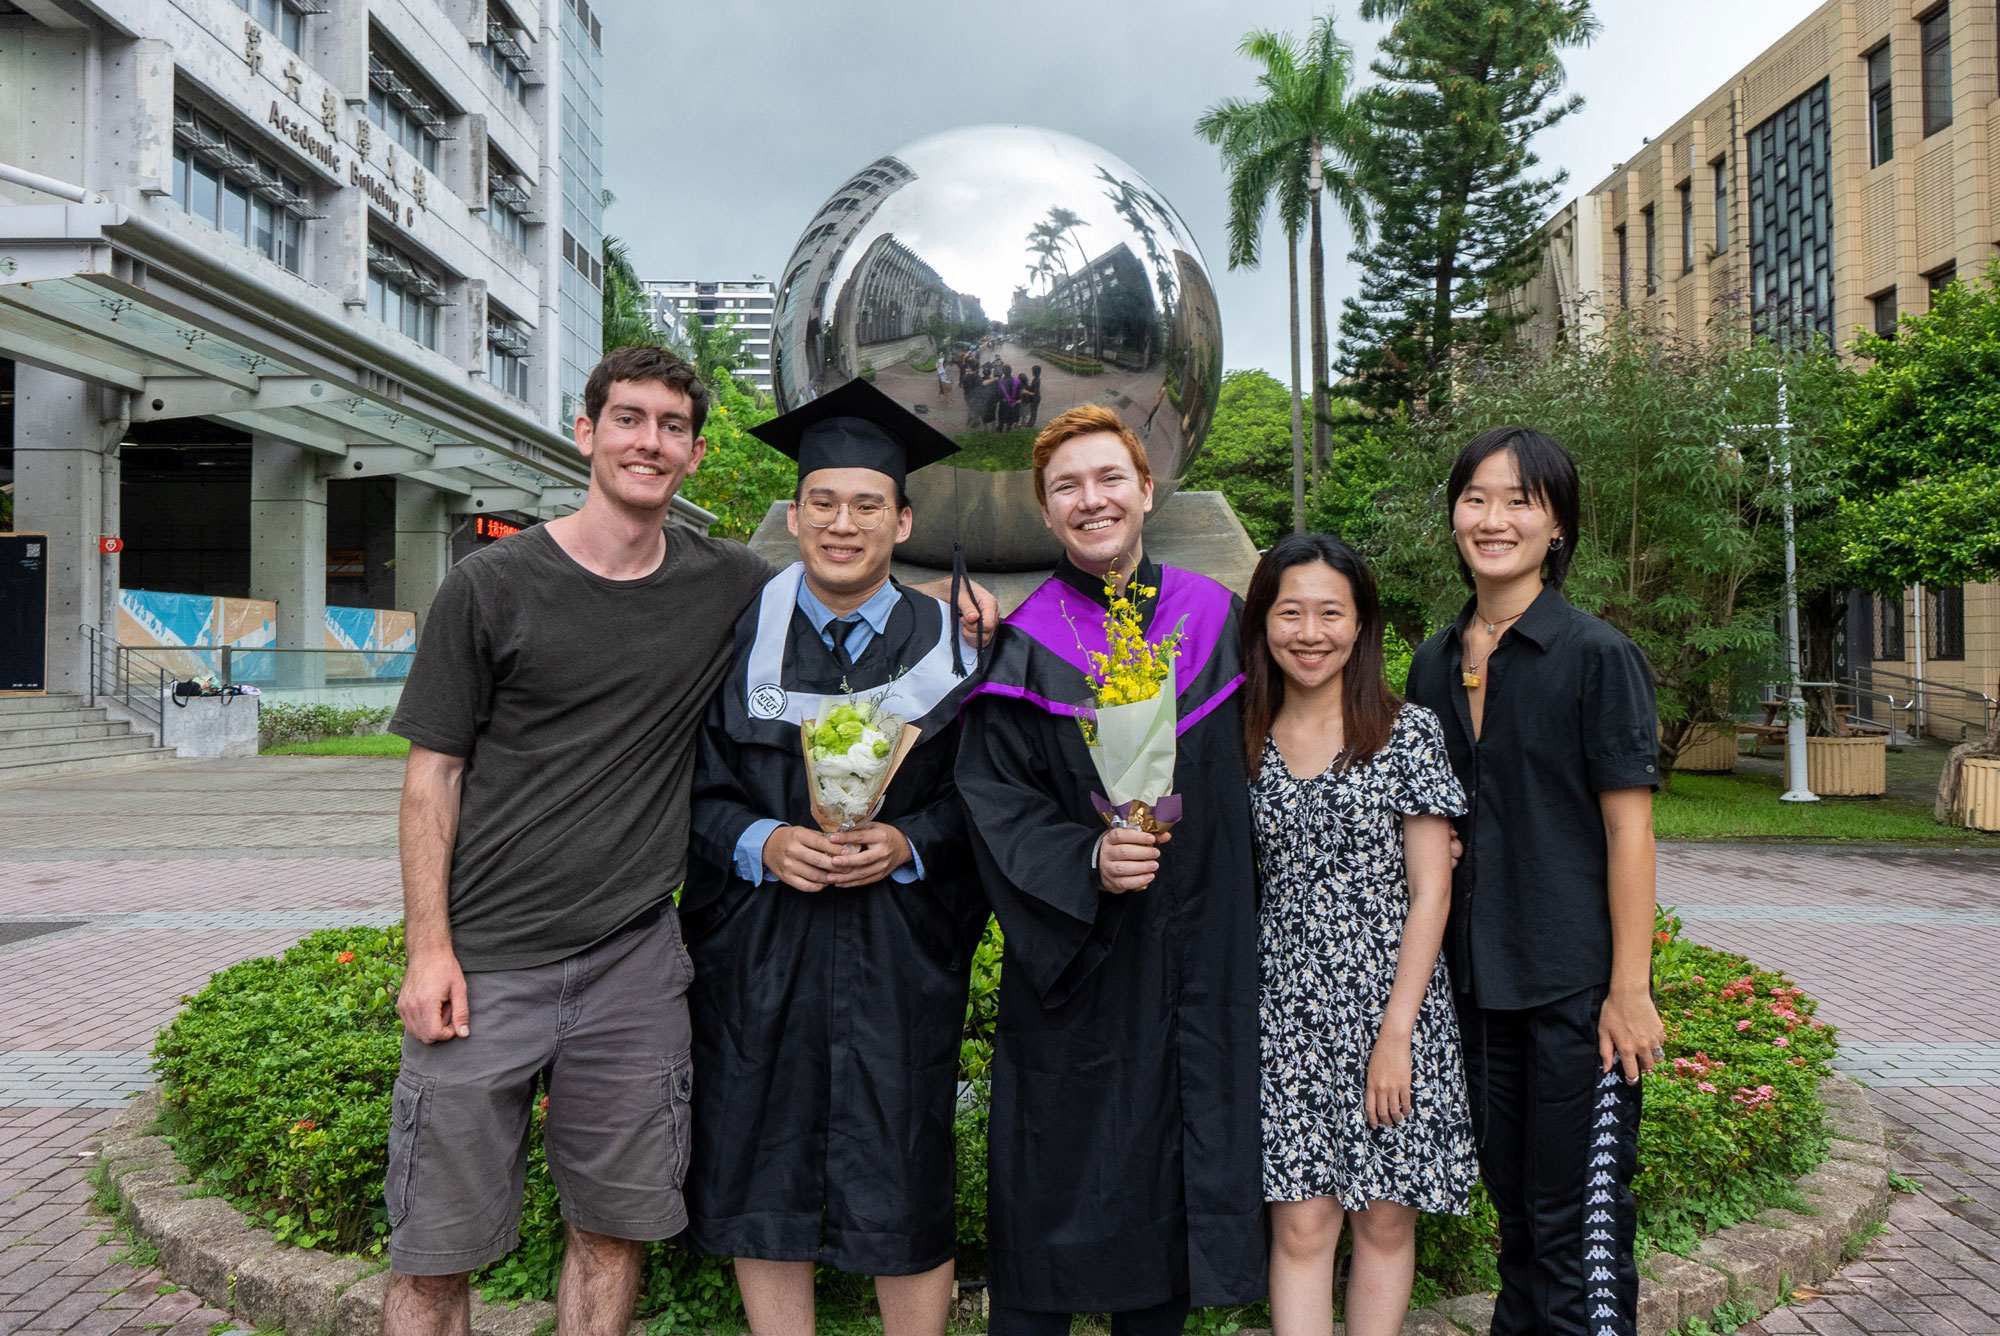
[(861, 627)]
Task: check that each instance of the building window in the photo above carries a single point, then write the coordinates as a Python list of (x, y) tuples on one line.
[(405, 107), (504, 51), (1889, 627), (403, 294), (1935, 36), (1884, 305), (1687, 227), (509, 200), (1946, 614), (1652, 253), (284, 18), (1881, 108), (1939, 279), (1791, 221), (220, 180), (1721, 169), (1624, 269), (506, 352)]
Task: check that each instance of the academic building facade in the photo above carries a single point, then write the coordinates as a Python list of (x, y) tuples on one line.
[(677, 303), (297, 298), (1838, 180)]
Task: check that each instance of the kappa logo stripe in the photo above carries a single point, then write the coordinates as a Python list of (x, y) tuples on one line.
[(1598, 1218)]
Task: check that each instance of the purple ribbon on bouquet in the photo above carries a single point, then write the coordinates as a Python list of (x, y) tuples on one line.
[(1163, 813)]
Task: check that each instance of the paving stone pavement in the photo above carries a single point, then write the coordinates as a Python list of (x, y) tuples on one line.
[(138, 886)]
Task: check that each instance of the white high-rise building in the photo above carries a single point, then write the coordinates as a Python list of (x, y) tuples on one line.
[(674, 303), (289, 289)]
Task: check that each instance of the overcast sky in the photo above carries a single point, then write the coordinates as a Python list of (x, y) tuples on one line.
[(728, 122)]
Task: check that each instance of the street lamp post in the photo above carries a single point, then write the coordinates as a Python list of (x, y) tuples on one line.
[(1797, 788)]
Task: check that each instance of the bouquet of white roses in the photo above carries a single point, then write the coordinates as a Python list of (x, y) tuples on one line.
[(851, 755)]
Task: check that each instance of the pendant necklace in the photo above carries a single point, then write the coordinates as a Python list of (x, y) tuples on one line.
[(1470, 676)]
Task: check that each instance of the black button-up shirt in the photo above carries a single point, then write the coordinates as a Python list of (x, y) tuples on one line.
[(1569, 715)]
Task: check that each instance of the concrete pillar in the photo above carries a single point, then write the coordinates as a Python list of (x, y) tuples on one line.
[(288, 552), (65, 464), (423, 547)]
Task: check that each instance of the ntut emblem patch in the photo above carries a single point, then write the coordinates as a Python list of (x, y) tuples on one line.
[(767, 701)]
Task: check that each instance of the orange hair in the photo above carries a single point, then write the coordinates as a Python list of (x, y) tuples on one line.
[(1086, 420)]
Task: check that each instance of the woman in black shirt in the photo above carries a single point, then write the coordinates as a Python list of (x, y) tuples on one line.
[(1549, 720)]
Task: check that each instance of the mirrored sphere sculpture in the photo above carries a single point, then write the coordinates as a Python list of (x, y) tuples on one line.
[(1040, 272)]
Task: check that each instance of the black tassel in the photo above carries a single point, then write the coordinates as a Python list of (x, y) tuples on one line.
[(959, 580)]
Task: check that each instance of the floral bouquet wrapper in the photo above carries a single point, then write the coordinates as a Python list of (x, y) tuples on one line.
[(851, 755), (1133, 748)]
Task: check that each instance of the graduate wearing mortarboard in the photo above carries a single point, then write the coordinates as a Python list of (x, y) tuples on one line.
[(831, 973)]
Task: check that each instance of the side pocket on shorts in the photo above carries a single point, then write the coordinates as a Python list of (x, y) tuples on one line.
[(406, 1121), (678, 1080)]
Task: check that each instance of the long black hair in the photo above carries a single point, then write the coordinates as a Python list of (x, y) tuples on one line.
[(1548, 474), (1368, 707)]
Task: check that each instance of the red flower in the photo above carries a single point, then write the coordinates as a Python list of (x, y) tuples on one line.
[(345, 958), (304, 1125)]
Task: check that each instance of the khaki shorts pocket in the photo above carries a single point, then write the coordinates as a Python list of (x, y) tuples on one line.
[(408, 1106), (678, 1092)]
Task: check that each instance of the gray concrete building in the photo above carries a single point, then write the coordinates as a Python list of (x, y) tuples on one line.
[(678, 302), (289, 292)]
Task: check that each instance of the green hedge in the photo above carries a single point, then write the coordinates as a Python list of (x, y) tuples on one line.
[(278, 724), (278, 1078)]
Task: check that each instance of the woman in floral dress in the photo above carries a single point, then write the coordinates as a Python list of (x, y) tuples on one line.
[(1365, 1116)]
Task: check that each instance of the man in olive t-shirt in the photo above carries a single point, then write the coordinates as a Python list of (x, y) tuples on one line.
[(552, 713)]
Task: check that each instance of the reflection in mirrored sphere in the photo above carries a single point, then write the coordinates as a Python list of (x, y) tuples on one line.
[(1036, 272)]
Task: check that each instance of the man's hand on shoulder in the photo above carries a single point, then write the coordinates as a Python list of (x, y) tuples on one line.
[(432, 998), (803, 859), (978, 610)]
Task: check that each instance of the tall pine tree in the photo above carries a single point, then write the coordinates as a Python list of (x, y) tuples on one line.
[(1465, 86)]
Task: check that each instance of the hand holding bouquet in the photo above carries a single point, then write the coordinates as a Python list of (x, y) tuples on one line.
[(1132, 737), (851, 755)]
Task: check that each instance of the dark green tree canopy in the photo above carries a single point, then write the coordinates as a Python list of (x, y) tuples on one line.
[(1465, 86), (1922, 505)]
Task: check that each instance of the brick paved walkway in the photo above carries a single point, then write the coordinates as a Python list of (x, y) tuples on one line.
[(1901, 950), (120, 894)]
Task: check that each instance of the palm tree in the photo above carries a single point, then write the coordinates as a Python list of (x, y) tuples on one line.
[(1292, 143)]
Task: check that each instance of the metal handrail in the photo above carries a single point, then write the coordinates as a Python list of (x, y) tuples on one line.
[(110, 673), (1926, 694)]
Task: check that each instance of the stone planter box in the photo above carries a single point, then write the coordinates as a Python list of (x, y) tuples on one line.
[(1708, 749), (209, 726), (1979, 794), (233, 1263), (1847, 767)]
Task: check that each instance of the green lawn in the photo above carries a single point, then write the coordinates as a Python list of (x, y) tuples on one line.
[(995, 451), (374, 744), (1745, 806)]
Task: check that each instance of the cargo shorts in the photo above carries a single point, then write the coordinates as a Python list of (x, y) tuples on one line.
[(607, 1030)]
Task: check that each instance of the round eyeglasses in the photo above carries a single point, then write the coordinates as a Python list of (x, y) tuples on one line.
[(864, 514)]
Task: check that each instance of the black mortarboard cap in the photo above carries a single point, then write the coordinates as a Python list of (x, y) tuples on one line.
[(856, 427)]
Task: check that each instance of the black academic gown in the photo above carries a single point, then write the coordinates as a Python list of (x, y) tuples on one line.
[(827, 1025), (1125, 1152)]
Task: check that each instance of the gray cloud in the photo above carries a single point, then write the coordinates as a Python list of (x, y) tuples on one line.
[(728, 122)]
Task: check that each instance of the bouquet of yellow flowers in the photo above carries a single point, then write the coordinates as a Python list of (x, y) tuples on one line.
[(1132, 736)]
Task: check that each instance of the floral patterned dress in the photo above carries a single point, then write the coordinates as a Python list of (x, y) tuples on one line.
[(1330, 849)]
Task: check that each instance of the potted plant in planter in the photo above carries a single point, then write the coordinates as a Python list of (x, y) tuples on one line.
[(1840, 762)]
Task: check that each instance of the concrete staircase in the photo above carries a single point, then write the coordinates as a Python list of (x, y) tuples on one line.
[(57, 734)]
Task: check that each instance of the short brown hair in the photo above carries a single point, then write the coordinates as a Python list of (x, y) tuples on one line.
[(643, 362), (1086, 420)]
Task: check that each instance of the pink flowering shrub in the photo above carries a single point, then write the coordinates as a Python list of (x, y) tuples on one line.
[(1734, 1112)]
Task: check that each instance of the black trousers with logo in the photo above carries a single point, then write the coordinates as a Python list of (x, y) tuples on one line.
[(1558, 1145)]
